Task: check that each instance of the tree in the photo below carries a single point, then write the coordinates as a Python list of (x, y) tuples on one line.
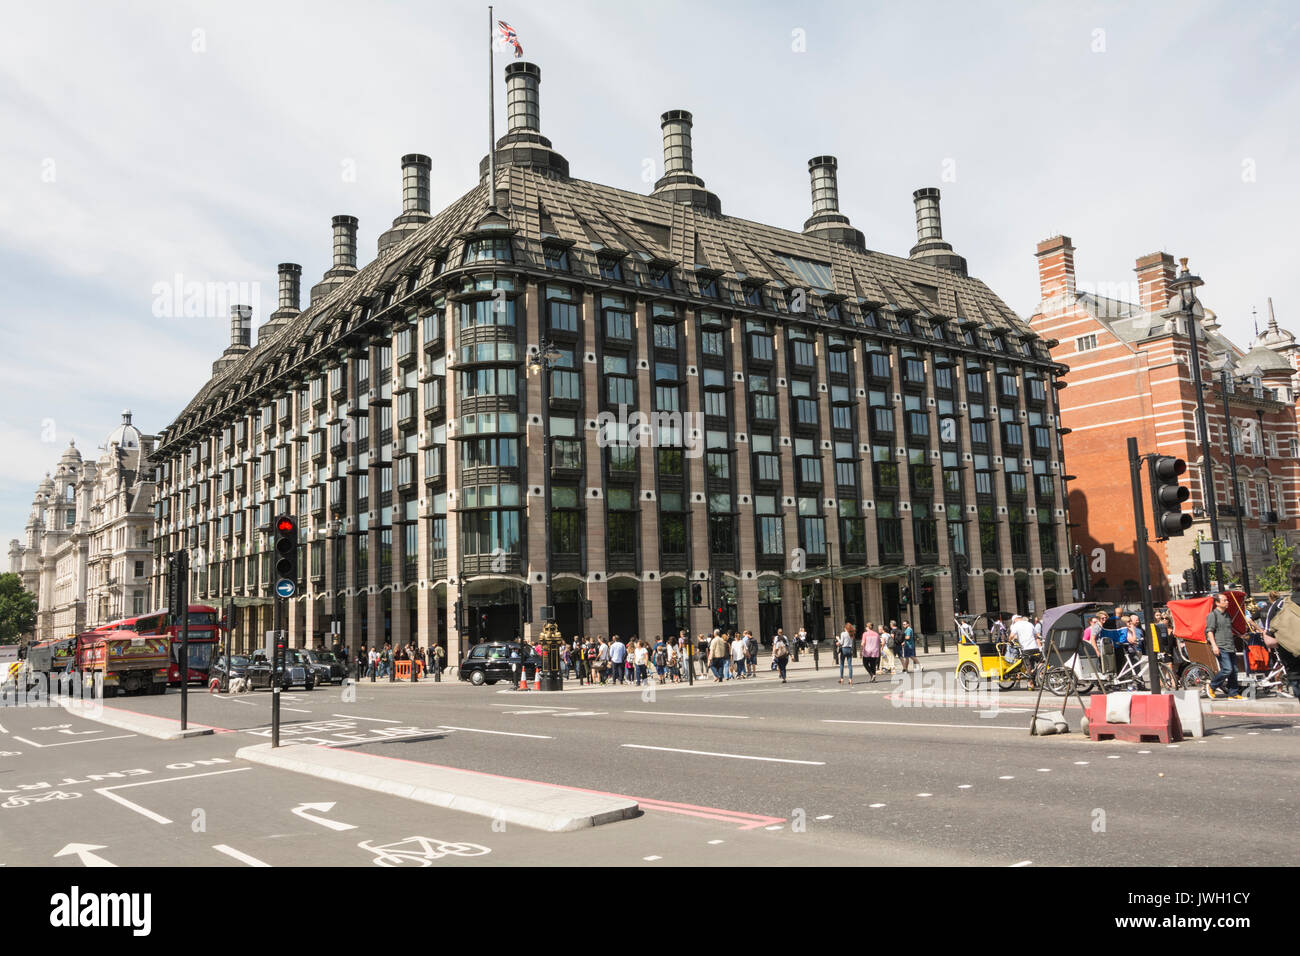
[(17, 609), (1277, 576)]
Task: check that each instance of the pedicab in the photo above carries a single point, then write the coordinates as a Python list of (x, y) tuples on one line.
[(987, 660)]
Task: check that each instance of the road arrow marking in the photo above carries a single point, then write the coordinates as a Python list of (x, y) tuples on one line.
[(85, 852), (302, 808)]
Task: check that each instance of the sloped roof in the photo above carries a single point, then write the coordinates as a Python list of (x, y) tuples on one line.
[(595, 217)]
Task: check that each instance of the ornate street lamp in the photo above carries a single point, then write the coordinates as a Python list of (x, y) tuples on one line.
[(545, 358)]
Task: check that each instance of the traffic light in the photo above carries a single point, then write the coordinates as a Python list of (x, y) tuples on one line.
[(286, 556), (905, 595), (528, 605), (1167, 496), (697, 595), (460, 618), (960, 575)]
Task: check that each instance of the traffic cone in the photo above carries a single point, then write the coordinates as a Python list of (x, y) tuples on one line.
[(537, 679), (523, 681)]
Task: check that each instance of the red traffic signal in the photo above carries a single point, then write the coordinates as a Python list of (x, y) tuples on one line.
[(286, 525)]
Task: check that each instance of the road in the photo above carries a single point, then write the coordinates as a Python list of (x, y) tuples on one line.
[(753, 772)]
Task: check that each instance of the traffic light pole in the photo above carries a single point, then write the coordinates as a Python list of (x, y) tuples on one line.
[(1144, 570), (1236, 494), (277, 667)]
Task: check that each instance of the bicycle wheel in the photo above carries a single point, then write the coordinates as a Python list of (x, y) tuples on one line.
[(1196, 677), (969, 677), (1060, 681), (1167, 678)]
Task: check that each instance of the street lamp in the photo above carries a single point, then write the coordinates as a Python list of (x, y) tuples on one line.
[(1185, 285), (545, 358)]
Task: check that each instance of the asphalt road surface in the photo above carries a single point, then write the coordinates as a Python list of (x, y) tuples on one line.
[(748, 772)]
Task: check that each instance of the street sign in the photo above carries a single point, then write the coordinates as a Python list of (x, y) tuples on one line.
[(1212, 552), (285, 588)]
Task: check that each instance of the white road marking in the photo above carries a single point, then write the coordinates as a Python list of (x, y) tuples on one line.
[(302, 808), (378, 720), (651, 859), (1172, 746), (669, 713), (963, 786), (145, 811), (1044, 769), (1112, 756), (556, 707), (499, 733), (1021, 863), (2, 729), (925, 795), (876, 806), (715, 842), (1081, 763), (778, 826), (904, 723), (707, 753), (68, 743), (296, 710), (825, 816), (582, 713), (1006, 778), (84, 852), (241, 857), (1144, 751)]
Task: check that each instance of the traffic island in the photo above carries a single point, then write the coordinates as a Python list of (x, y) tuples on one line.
[(527, 803), (164, 728)]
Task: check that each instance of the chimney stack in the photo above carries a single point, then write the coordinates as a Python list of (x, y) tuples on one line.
[(345, 257), (522, 103), (290, 287), (1055, 267), (523, 144), (415, 200), (827, 221), (679, 182), (241, 333), (1156, 274), (930, 246), (241, 327), (345, 244)]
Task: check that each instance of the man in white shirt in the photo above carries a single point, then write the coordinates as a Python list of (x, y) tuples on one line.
[(738, 657), (1022, 632)]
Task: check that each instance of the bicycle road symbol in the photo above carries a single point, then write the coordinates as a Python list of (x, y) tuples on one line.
[(420, 851), (21, 800)]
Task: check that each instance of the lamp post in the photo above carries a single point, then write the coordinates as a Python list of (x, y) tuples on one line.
[(1186, 285), (544, 359), (1225, 381)]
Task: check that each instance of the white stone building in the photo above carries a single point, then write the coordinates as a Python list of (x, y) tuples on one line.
[(87, 555)]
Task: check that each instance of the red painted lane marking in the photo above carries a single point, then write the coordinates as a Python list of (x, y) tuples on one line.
[(730, 816)]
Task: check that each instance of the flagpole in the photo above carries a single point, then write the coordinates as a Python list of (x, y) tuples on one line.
[(492, 123)]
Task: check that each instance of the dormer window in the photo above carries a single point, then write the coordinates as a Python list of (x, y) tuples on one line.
[(478, 250), (611, 268), (708, 286), (557, 258)]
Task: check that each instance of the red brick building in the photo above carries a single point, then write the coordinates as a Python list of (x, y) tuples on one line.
[(1130, 375)]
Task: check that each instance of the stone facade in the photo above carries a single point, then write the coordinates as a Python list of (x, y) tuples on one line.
[(828, 418), (88, 555)]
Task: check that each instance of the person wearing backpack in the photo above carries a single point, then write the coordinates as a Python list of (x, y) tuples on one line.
[(780, 654), (660, 658)]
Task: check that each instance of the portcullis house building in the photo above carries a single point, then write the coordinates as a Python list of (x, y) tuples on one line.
[(779, 424)]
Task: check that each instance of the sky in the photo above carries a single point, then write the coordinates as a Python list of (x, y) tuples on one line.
[(149, 149)]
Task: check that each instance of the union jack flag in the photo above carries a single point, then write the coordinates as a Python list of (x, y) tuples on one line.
[(509, 37)]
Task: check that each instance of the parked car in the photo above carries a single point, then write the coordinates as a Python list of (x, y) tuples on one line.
[(297, 671), (493, 661), (238, 667), (327, 665)]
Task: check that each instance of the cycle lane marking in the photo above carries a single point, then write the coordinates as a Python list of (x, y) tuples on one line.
[(145, 811)]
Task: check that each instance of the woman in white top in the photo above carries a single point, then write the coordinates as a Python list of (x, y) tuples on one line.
[(847, 645), (738, 657)]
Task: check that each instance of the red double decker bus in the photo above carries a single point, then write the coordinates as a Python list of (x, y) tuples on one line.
[(205, 633)]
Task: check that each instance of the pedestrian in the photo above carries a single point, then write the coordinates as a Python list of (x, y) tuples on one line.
[(641, 663), (909, 648), (780, 653), (602, 659), (702, 650), (800, 641), (618, 659), (439, 662), (719, 653), (672, 660), (374, 664), (1219, 635), (845, 647), (870, 650), (737, 657), (751, 644), (1279, 631), (660, 658)]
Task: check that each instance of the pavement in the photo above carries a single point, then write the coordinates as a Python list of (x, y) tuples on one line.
[(751, 772)]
